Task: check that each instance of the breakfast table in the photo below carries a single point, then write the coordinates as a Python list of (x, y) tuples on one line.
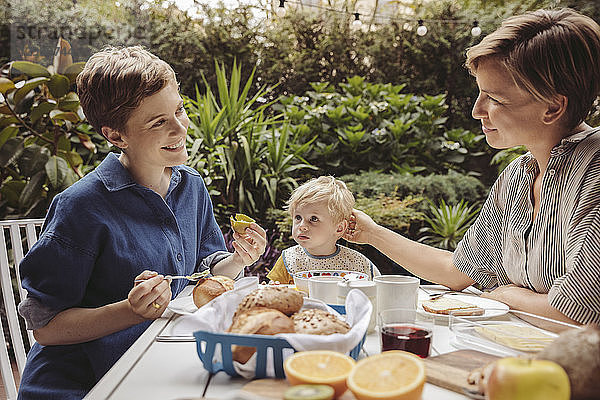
[(161, 366)]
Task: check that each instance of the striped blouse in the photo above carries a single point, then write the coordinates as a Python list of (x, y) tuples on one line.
[(559, 252)]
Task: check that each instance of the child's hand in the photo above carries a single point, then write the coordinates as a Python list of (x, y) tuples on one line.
[(250, 245)]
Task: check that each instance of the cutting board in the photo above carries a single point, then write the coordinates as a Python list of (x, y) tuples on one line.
[(451, 370)]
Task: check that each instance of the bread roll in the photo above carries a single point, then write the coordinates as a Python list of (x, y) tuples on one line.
[(259, 321), (284, 299), (318, 322), (208, 288)]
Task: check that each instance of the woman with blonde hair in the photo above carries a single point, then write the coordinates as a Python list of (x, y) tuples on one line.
[(536, 242)]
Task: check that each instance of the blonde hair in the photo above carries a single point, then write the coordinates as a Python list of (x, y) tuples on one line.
[(548, 53), (340, 200), (114, 82)]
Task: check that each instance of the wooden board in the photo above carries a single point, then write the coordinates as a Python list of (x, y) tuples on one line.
[(274, 389), (451, 370)]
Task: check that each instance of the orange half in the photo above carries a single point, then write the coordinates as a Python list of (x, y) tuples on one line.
[(320, 367), (396, 375)]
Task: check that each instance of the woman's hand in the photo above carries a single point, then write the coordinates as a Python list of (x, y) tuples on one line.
[(150, 298), (249, 246), (360, 226), (504, 293)]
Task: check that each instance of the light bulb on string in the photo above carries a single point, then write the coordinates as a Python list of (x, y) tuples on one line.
[(422, 29), (475, 30), (281, 9), (357, 23)]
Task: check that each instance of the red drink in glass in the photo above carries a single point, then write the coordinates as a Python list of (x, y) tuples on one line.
[(414, 339)]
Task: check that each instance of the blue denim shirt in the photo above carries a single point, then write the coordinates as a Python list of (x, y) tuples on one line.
[(99, 234)]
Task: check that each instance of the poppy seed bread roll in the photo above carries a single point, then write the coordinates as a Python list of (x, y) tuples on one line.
[(284, 299), (258, 321), (208, 288)]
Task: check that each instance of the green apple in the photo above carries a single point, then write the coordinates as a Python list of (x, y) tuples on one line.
[(525, 379)]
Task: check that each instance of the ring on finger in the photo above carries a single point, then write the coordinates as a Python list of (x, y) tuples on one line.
[(156, 305)]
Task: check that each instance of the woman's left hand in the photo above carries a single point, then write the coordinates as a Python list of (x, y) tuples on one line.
[(504, 293), (250, 245)]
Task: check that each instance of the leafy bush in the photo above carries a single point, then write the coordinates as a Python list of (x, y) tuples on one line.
[(45, 144), (362, 125), (452, 187), (504, 157), (248, 160)]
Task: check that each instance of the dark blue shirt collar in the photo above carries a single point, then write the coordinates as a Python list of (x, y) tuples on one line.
[(115, 176)]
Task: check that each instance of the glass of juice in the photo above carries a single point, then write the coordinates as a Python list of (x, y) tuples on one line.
[(405, 329)]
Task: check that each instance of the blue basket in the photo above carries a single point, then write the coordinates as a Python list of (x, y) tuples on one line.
[(261, 342), (340, 308)]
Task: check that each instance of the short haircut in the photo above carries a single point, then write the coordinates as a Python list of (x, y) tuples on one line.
[(340, 200), (114, 82), (548, 52)]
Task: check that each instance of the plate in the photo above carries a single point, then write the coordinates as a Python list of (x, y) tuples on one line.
[(525, 340), (492, 308), (183, 305)]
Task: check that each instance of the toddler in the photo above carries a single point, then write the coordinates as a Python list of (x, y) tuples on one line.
[(320, 209)]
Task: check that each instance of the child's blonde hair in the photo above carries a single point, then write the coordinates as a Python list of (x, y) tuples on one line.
[(340, 200)]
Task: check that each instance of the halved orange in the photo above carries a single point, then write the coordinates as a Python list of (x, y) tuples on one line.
[(395, 374), (321, 367)]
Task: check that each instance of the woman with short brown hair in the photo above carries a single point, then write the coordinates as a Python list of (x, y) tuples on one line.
[(140, 215)]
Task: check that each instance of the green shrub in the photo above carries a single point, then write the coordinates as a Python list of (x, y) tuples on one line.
[(45, 143), (452, 187), (248, 157), (358, 126)]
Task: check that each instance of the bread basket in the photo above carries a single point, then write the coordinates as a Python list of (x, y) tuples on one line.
[(206, 346), (210, 323)]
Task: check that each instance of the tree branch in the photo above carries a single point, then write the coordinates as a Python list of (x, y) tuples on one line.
[(25, 124)]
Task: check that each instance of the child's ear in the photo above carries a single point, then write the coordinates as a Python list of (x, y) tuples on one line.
[(341, 228)]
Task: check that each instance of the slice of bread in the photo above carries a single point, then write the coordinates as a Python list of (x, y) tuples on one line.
[(446, 304)]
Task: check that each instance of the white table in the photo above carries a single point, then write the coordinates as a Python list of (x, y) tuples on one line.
[(153, 369)]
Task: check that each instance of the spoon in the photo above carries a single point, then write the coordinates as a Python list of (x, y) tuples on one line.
[(193, 277)]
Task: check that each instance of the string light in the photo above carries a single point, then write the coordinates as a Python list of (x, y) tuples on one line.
[(405, 22), (281, 9), (357, 23), (475, 30), (422, 29)]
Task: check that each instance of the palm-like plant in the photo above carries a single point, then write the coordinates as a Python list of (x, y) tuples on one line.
[(235, 142), (448, 224)]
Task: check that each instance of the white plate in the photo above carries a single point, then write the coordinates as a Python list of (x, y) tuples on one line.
[(492, 308), (183, 305)]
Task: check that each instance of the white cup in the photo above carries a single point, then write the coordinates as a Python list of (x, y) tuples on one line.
[(324, 288), (396, 291)]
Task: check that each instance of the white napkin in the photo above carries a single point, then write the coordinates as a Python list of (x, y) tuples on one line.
[(216, 316)]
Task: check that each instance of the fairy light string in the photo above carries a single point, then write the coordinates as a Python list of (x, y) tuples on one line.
[(357, 22)]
